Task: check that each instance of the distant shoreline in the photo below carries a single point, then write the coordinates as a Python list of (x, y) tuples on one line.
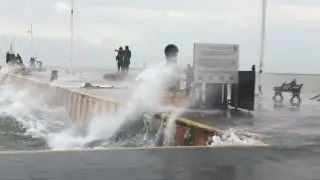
[(292, 73), (137, 68)]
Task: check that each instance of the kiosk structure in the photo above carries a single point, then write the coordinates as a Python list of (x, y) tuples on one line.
[(218, 83)]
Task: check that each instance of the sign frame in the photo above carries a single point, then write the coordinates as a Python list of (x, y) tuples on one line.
[(226, 73)]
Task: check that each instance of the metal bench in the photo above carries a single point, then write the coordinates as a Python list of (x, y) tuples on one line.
[(292, 87)]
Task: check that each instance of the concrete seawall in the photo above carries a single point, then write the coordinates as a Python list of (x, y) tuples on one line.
[(83, 107)]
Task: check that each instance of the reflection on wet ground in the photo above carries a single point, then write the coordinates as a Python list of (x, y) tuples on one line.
[(283, 163), (277, 122)]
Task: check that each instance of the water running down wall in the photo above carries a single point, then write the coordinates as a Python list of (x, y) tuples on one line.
[(102, 119)]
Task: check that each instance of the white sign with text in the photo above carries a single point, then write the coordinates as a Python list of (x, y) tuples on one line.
[(216, 63)]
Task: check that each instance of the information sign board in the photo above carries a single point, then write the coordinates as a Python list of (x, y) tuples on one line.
[(216, 63)]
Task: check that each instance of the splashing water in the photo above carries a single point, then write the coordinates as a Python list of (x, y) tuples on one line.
[(231, 137), (103, 130), (47, 126), (27, 122)]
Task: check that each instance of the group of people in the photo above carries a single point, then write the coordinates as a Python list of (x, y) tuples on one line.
[(123, 58), (16, 60), (33, 62)]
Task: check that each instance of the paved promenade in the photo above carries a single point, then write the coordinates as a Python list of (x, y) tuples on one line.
[(290, 163)]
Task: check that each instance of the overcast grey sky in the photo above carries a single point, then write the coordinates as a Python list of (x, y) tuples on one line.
[(292, 39)]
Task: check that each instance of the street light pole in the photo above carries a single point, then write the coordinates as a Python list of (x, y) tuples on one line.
[(31, 37), (263, 28), (14, 42), (71, 35)]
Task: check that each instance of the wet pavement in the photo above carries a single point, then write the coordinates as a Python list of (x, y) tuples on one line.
[(225, 163), (117, 91), (277, 123)]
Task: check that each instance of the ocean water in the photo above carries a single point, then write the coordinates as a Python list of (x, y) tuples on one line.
[(311, 83)]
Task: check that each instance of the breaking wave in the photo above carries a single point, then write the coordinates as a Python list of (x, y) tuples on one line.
[(28, 122)]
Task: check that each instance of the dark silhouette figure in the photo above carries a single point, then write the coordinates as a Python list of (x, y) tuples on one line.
[(21, 64), (7, 57), (32, 62), (39, 63), (119, 58), (10, 58), (18, 56), (126, 59), (54, 75), (19, 61)]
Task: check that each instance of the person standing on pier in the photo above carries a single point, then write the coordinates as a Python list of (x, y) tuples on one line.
[(32, 62), (119, 58), (126, 60), (39, 63), (18, 59)]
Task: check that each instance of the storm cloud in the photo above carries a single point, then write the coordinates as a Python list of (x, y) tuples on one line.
[(147, 26)]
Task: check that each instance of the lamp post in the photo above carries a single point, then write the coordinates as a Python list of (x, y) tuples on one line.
[(71, 35), (30, 31), (263, 27), (14, 43)]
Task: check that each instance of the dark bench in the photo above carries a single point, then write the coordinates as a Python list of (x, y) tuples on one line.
[(292, 87)]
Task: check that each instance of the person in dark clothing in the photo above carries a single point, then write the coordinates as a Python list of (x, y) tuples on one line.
[(119, 58), (10, 58), (126, 59), (39, 63), (7, 57), (32, 62), (18, 59)]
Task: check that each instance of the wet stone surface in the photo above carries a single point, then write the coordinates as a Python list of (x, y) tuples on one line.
[(277, 123)]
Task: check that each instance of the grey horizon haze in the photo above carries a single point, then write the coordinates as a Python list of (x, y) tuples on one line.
[(292, 33)]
